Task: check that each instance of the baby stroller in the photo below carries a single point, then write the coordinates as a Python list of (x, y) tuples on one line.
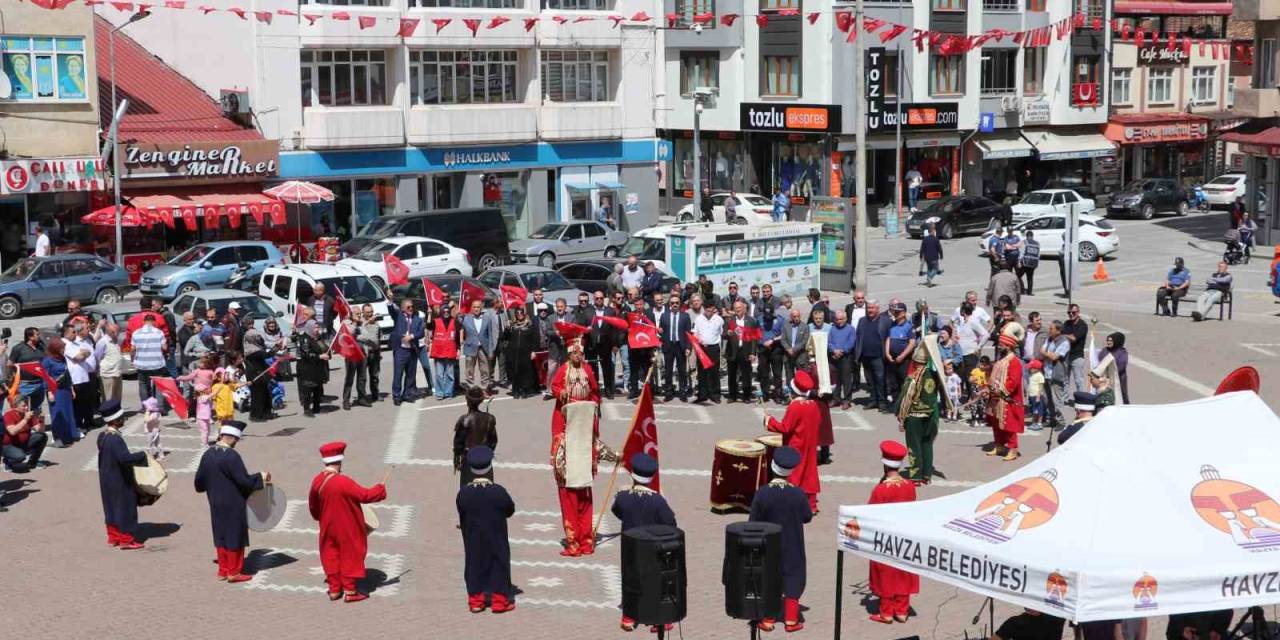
[(276, 388), (1235, 250)]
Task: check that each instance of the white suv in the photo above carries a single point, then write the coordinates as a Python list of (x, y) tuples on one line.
[(281, 285)]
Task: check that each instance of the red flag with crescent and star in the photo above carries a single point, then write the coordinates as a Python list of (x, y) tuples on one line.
[(38, 371), (341, 307), (644, 434), (471, 292), (345, 345), (168, 388), (704, 360), (513, 296), (432, 293), (397, 270), (641, 334)]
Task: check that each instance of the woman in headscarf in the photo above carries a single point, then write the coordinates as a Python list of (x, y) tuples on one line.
[(62, 417), (522, 340), (276, 344), (1115, 348), (313, 364), (255, 367)]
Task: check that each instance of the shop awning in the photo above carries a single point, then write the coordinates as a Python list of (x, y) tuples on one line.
[(1004, 145), (1054, 146), (1167, 8), (579, 186), (189, 203), (610, 184)]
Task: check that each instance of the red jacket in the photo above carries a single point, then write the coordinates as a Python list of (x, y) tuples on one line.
[(886, 580), (343, 536), (799, 429)]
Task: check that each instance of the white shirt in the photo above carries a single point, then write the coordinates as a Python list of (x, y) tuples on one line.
[(1029, 345), (80, 360), (858, 314), (708, 330), (980, 316), (630, 279), (42, 245)]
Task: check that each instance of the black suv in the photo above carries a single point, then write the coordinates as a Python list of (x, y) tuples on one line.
[(1145, 197), (480, 232)]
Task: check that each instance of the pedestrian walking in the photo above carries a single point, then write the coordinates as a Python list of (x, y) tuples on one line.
[(930, 256)]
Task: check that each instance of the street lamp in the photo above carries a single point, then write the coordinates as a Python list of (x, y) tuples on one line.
[(702, 98), (114, 138)]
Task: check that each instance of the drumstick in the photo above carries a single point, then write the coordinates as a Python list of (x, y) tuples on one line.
[(387, 475)]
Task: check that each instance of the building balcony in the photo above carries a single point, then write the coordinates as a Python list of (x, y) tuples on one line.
[(347, 127), (580, 120), (472, 124), (1256, 9), (1257, 103)]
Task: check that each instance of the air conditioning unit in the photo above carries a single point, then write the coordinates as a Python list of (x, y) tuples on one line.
[(1011, 103), (235, 102)]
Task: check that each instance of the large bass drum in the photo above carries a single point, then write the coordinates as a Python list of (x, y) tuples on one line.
[(265, 507), (151, 481), (737, 470)]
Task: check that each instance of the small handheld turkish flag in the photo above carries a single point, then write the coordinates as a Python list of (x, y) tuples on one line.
[(513, 296), (471, 292), (341, 307), (38, 371), (644, 434), (397, 270), (168, 388), (433, 294), (345, 345), (704, 360), (642, 335)]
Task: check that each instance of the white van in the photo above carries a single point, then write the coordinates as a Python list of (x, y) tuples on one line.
[(281, 284), (650, 245)]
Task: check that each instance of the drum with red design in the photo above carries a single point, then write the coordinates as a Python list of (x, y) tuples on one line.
[(736, 472), (771, 442)]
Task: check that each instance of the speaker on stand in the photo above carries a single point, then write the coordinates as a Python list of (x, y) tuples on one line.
[(752, 572), (653, 576)]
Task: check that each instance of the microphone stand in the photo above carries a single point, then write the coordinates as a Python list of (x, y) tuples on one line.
[(990, 605)]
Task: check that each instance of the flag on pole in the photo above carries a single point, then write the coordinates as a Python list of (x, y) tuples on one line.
[(644, 434), (341, 307), (513, 296), (275, 366), (613, 321), (704, 360), (345, 345), (471, 292), (397, 270), (168, 388), (35, 369), (434, 294)]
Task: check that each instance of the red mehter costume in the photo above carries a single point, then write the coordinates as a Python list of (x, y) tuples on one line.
[(1005, 412), (335, 501), (800, 428), (893, 586), (575, 504)]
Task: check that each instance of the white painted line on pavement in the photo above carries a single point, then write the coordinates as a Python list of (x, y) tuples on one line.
[(609, 575), (394, 526), (1257, 346), (392, 565), (456, 404), (1171, 376)]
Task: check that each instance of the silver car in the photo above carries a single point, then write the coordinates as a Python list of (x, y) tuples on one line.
[(529, 277), (561, 241)]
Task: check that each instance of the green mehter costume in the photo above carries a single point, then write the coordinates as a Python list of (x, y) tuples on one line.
[(922, 399)]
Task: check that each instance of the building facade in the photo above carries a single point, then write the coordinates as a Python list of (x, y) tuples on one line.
[(1259, 139), (550, 122)]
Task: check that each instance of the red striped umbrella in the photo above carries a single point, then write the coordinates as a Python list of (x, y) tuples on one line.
[(300, 192)]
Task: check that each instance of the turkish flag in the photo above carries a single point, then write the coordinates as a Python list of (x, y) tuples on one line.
[(275, 366), (704, 360), (728, 18), (471, 24), (613, 321), (341, 307), (894, 31), (762, 20), (441, 23), (233, 216), (166, 214), (38, 371), (397, 270), (345, 345), (366, 22), (471, 292), (277, 213), (189, 218), (435, 295), (745, 333), (408, 26), (529, 23), (644, 433), (642, 335), (570, 331), (513, 296), (169, 389), (255, 210)]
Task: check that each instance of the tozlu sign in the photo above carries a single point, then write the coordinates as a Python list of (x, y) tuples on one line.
[(202, 161)]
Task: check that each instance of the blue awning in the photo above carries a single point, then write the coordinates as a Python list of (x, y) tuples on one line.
[(579, 186), (610, 184)]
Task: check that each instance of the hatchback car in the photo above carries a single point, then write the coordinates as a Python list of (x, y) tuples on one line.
[(50, 281), (423, 256), (199, 302), (530, 277), (1145, 197), (954, 215), (1097, 237), (751, 209), (593, 275), (559, 241), (206, 266)]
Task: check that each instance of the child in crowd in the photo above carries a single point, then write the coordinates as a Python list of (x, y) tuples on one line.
[(151, 422), (224, 407), (1035, 395), (953, 391), (201, 379), (977, 402)]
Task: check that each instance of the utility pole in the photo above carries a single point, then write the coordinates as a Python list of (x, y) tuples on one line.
[(860, 152)]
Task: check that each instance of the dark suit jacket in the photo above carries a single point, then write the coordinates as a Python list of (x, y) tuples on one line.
[(735, 349), (801, 344), (399, 327), (603, 336), (871, 340), (684, 324)]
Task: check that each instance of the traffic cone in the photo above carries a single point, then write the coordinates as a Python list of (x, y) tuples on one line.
[(1100, 271)]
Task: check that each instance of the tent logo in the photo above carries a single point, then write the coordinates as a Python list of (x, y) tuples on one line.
[(1144, 593), (849, 533), (1055, 590), (1249, 516), (1025, 504)]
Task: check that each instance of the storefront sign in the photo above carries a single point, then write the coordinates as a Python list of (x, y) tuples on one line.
[(1260, 150), (1035, 112), (477, 157), (49, 176), (986, 122), (1159, 54), (919, 116), (1184, 131), (813, 118), (875, 87), (202, 162)]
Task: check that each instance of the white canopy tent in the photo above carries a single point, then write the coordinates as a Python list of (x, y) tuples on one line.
[(1149, 510)]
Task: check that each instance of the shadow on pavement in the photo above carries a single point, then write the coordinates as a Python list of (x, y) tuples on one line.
[(264, 559), (150, 530), (1208, 227), (375, 579), (14, 491)]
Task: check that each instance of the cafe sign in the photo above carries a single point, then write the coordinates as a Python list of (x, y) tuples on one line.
[(201, 162), (1151, 55)]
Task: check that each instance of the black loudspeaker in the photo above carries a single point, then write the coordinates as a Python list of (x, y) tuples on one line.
[(653, 575), (752, 570)]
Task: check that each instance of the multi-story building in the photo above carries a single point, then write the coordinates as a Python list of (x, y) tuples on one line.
[(1259, 139), (549, 122), (49, 124), (940, 99)]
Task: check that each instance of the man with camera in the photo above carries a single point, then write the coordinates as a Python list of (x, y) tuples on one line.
[(24, 438)]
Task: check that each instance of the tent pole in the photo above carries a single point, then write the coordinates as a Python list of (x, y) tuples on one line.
[(839, 589)]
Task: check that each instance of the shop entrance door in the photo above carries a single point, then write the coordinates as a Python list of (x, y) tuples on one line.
[(13, 225)]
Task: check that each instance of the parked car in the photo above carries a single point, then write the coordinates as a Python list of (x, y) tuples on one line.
[(1097, 237), (532, 277), (1046, 201), (558, 241), (207, 266), (450, 284), (199, 302), (1223, 190), (954, 215), (751, 209), (283, 285), (423, 256), (33, 283), (1146, 197), (590, 275), (480, 232)]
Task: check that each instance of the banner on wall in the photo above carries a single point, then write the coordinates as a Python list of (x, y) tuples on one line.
[(631, 205)]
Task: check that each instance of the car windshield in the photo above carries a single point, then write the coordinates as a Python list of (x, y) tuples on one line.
[(378, 229), (547, 232), (21, 269), (1140, 185), (1038, 197), (374, 251), (356, 289), (191, 256), (757, 201), (1227, 180), (645, 248), (545, 280), (249, 305)]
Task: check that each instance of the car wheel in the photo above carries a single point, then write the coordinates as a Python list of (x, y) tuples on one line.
[(739, 220), (1183, 208), (10, 307), (487, 261), (610, 252), (107, 296), (686, 217), (1088, 252), (1147, 212), (946, 231), (547, 259), (187, 287)]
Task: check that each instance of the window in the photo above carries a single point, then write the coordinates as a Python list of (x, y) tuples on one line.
[(340, 77), (1033, 71), (45, 69), (282, 286), (780, 76), (1203, 81), (463, 76), (890, 78), (592, 231), (1120, 82), (948, 5), (1199, 27), (999, 5), (222, 257), (1159, 86), (774, 5), (946, 75), (253, 253), (570, 5), (700, 69), (1090, 9), (1231, 91), (347, 3), (430, 249), (575, 76), (999, 71), (407, 251), (1035, 5), (1266, 64), (687, 9)]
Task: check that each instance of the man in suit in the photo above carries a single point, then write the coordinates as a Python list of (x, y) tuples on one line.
[(406, 336), (603, 339), (769, 355), (868, 349), (674, 326), (795, 343), (740, 346), (479, 344)]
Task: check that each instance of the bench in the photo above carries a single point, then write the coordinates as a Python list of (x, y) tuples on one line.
[(1193, 293)]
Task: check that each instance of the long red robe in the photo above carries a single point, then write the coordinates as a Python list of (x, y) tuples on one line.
[(800, 431), (1006, 415), (887, 581), (343, 537), (575, 504)]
